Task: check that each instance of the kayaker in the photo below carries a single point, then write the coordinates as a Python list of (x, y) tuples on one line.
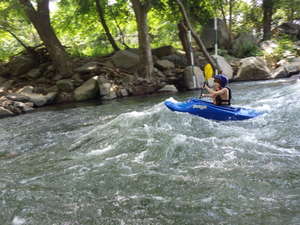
[(221, 95)]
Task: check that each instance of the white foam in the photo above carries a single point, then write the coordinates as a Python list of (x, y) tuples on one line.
[(100, 151), (18, 221)]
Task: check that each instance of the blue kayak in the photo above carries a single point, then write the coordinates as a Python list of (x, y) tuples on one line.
[(209, 110)]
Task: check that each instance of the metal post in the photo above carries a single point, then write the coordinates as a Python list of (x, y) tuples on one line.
[(192, 59), (216, 40)]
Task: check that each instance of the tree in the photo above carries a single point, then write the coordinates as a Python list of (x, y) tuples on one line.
[(197, 39), (141, 9), (40, 19), (267, 6)]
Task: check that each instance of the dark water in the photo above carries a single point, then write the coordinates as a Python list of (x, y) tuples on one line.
[(132, 161)]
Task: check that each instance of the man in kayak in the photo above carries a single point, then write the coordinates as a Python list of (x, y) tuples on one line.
[(221, 95)]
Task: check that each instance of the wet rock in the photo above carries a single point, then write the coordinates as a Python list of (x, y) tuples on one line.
[(286, 70), (64, 97), (168, 88), (107, 91), (88, 90), (37, 99), (5, 112)]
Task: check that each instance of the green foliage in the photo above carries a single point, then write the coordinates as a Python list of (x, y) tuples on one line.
[(77, 25), (285, 47), (12, 19), (249, 49)]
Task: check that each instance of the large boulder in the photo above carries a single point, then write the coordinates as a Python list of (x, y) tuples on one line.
[(289, 28), (253, 68), (244, 45), (125, 59), (193, 77), (41, 100), (286, 70), (225, 66), (21, 64), (36, 99), (208, 34), (88, 90), (164, 64), (163, 51), (177, 59)]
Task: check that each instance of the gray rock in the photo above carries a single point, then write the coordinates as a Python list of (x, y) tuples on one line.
[(65, 85), (107, 91), (244, 45), (177, 59), (164, 64), (88, 67), (25, 107), (88, 90), (41, 100), (6, 85), (287, 70), (193, 78), (5, 112), (225, 66), (26, 90), (123, 92), (21, 64), (163, 51), (168, 88), (34, 73), (253, 68), (208, 34), (125, 59), (18, 97)]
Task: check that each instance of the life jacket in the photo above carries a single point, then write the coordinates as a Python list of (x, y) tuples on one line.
[(220, 101)]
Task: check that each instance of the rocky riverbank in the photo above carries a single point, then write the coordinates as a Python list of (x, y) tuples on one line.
[(26, 84)]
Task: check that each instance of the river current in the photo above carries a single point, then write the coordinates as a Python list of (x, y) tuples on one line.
[(134, 162)]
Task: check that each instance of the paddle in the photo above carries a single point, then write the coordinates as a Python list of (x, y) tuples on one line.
[(208, 73)]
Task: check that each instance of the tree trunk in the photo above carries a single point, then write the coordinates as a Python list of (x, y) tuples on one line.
[(141, 10), (104, 25), (197, 39), (184, 41), (41, 21), (267, 20)]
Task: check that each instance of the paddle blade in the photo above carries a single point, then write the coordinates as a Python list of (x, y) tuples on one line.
[(208, 71)]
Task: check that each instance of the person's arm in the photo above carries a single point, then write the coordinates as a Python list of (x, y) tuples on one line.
[(213, 92)]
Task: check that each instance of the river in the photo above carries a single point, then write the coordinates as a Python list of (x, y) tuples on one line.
[(134, 162)]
